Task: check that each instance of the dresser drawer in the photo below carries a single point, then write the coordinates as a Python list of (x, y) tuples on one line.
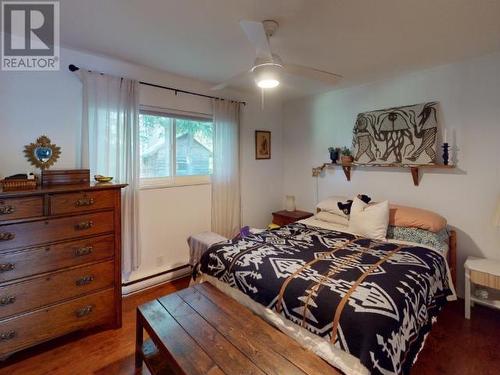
[(20, 208), (22, 263), (59, 286), (51, 230), (26, 330), (81, 202)]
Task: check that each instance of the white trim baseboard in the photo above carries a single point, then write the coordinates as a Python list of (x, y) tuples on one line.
[(154, 281)]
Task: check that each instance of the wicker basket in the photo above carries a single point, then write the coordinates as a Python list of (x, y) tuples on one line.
[(18, 184)]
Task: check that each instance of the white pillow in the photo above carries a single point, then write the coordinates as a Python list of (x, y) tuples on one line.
[(332, 218), (369, 220), (330, 205)]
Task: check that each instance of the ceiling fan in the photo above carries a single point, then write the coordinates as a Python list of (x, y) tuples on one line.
[(268, 68)]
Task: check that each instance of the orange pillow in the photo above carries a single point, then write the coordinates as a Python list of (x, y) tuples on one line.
[(402, 216)]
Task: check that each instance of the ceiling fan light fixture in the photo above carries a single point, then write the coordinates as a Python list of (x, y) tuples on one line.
[(267, 76), (268, 66), (268, 83)]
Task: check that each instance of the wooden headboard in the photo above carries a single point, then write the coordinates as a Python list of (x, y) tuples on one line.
[(452, 256)]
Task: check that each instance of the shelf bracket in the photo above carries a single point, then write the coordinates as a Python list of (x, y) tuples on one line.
[(347, 171), (414, 174)]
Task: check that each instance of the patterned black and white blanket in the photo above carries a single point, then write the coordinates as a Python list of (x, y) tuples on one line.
[(374, 300)]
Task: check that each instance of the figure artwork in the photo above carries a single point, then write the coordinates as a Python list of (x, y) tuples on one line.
[(404, 135)]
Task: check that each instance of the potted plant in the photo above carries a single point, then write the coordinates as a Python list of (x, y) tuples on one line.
[(334, 154), (346, 156)]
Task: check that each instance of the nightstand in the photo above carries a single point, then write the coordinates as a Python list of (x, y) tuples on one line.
[(486, 273), (287, 217)]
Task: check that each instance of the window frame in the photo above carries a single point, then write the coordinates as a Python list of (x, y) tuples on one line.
[(173, 180)]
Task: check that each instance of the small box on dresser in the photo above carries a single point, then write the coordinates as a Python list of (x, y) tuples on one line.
[(60, 262), (65, 176)]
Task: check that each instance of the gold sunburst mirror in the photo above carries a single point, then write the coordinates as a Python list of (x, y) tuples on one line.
[(42, 154)]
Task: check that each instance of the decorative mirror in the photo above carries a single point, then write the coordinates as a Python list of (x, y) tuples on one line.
[(42, 154)]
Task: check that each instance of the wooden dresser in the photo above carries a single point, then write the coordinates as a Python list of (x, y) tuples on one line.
[(59, 262)]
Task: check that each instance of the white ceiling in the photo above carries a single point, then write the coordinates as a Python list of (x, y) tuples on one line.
[(362, 40)]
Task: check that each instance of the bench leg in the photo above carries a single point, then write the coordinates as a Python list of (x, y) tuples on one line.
[(139, 338)]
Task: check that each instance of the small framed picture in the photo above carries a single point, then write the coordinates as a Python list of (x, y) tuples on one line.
[(262, 144)]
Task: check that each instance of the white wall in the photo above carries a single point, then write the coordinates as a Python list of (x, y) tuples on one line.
[(35, 103), (261, 180), (469, 93)]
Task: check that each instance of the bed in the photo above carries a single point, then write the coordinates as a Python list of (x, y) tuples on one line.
[(364, 306)]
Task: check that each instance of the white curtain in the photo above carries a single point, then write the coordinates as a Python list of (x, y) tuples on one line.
[(110, 147), (226, 169)]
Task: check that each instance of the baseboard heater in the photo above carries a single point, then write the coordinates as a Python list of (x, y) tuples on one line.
[(156, 279)]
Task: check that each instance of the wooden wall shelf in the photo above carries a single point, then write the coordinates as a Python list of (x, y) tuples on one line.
[(415, 169)]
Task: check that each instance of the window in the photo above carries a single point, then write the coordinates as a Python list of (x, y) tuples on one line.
[(174, 148), (155, 133), (193, 147)]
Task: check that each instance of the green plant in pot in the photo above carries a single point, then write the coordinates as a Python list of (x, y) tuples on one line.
[(334, 154), (346, 156)]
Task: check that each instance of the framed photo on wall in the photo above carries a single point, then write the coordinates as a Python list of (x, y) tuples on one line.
[(262, 144)]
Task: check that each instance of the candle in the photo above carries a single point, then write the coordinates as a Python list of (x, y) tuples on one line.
[(445, 136)]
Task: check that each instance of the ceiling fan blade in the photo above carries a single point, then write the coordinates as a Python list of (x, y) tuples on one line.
[(311, 73), (257, 36), (220, 86), (229, 81)]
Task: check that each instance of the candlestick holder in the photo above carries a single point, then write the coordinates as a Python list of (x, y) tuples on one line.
[(446, 155)]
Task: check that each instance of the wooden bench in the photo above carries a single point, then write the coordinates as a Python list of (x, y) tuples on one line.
[(200, 330)]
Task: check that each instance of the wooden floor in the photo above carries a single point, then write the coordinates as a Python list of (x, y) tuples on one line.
[(455, 346)]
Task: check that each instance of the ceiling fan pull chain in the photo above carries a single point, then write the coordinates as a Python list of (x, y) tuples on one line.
[(262, 99)]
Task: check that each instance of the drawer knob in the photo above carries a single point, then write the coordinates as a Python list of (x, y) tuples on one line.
[(7, 335), (7, 236), (83, 251), (7, 267), (85, 280), (84, 311), (7, 300), (84, 225), (84, 202), (5, 210)]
